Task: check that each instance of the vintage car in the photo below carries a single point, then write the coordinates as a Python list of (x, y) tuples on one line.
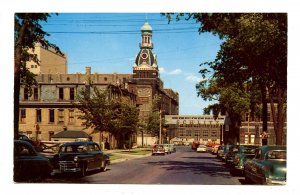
[(229, 155), (158, 149), (29, 166), (202, 148), (214, 148), (172, 148), (80, 157), (243, 153), (167, 148), (268, 166), (220, 151)]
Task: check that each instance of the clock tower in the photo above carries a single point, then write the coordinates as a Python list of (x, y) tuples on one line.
[(145, 65)]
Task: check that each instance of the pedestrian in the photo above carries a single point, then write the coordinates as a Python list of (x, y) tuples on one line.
[(264, 138)]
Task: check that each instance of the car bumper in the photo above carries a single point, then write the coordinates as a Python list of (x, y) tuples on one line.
[(69, 166), (271, 181)]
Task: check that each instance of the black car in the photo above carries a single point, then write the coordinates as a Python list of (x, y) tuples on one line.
[(80, 157), (29, 166)]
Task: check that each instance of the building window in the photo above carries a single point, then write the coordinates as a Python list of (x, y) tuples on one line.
[(188, 133), (25, 93), (35, 94), (71, 116), (72, 94), (213, 133), (23, 116), (205, 133), (61, 116), (51, 116), (61, 93), (38, 115)]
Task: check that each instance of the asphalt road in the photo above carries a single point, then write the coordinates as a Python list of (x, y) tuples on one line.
[(183, 167)]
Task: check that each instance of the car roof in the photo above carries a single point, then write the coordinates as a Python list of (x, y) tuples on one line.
[(78, 143)]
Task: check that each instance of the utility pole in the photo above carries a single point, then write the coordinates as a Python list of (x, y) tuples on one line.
[(159, 126)]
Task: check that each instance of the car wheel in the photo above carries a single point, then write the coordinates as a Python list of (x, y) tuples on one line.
[(103, 166)]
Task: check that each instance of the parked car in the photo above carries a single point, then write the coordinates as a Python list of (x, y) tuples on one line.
[(220, 152), (80, 157), (214, 148), (172, 148), (25, 138), (167, 148), (28, 164), (244, 152), (202, 148), (229, 156), (225, 151), (158, 149), (195, 145), (268, 166)]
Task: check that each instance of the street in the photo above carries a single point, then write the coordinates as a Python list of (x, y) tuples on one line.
[(183, 167)]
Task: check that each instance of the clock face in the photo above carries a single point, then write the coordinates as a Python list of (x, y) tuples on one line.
[(144, 56)]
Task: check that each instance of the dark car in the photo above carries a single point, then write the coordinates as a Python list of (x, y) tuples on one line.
[(230, 154), (243, 153), (28, 164), (80, 157), (268, 166), (25, 138)]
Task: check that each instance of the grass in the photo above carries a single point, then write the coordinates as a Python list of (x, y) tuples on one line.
[(136, 151)]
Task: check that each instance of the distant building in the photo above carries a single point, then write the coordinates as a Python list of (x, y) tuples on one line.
[(50, 61), (50, 109), (251, 130), (204, 129)]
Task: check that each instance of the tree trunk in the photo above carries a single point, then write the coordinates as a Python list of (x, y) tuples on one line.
[(264, 108), (280, 116), (18, 63)]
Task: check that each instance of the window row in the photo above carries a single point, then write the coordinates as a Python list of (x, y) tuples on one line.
[(63, 93), (196, 133), (50, 116)]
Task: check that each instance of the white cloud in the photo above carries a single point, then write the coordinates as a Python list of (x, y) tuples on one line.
[(175, 72), (172, 72), (193, 78)]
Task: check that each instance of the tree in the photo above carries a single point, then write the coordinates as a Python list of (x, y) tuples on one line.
[(155, 120), (114, 115), (254, 49), (28, 31)]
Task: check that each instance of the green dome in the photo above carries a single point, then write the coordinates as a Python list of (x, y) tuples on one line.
[(146, 27)]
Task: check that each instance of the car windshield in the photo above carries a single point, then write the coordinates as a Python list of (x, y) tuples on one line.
[(276, 154), (158, 146), (73, 148), (248, 150)]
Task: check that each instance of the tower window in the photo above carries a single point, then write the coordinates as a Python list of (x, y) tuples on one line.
[(35, 94)]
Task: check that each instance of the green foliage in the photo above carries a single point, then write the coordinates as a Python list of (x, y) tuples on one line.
[(116, 116), (153, 125), (253, 53), (28, 31)]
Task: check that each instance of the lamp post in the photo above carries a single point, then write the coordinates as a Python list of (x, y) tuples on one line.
[(249, 137)]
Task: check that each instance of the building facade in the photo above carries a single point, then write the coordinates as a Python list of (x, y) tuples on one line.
[(50, 61), (50, 109), (203, 129)]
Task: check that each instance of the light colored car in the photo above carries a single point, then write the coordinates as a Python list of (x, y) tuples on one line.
[(201, 148), (214, 149), (267, 167), (158, 149)]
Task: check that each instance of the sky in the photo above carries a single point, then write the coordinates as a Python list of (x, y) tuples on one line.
[(109, 43)]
